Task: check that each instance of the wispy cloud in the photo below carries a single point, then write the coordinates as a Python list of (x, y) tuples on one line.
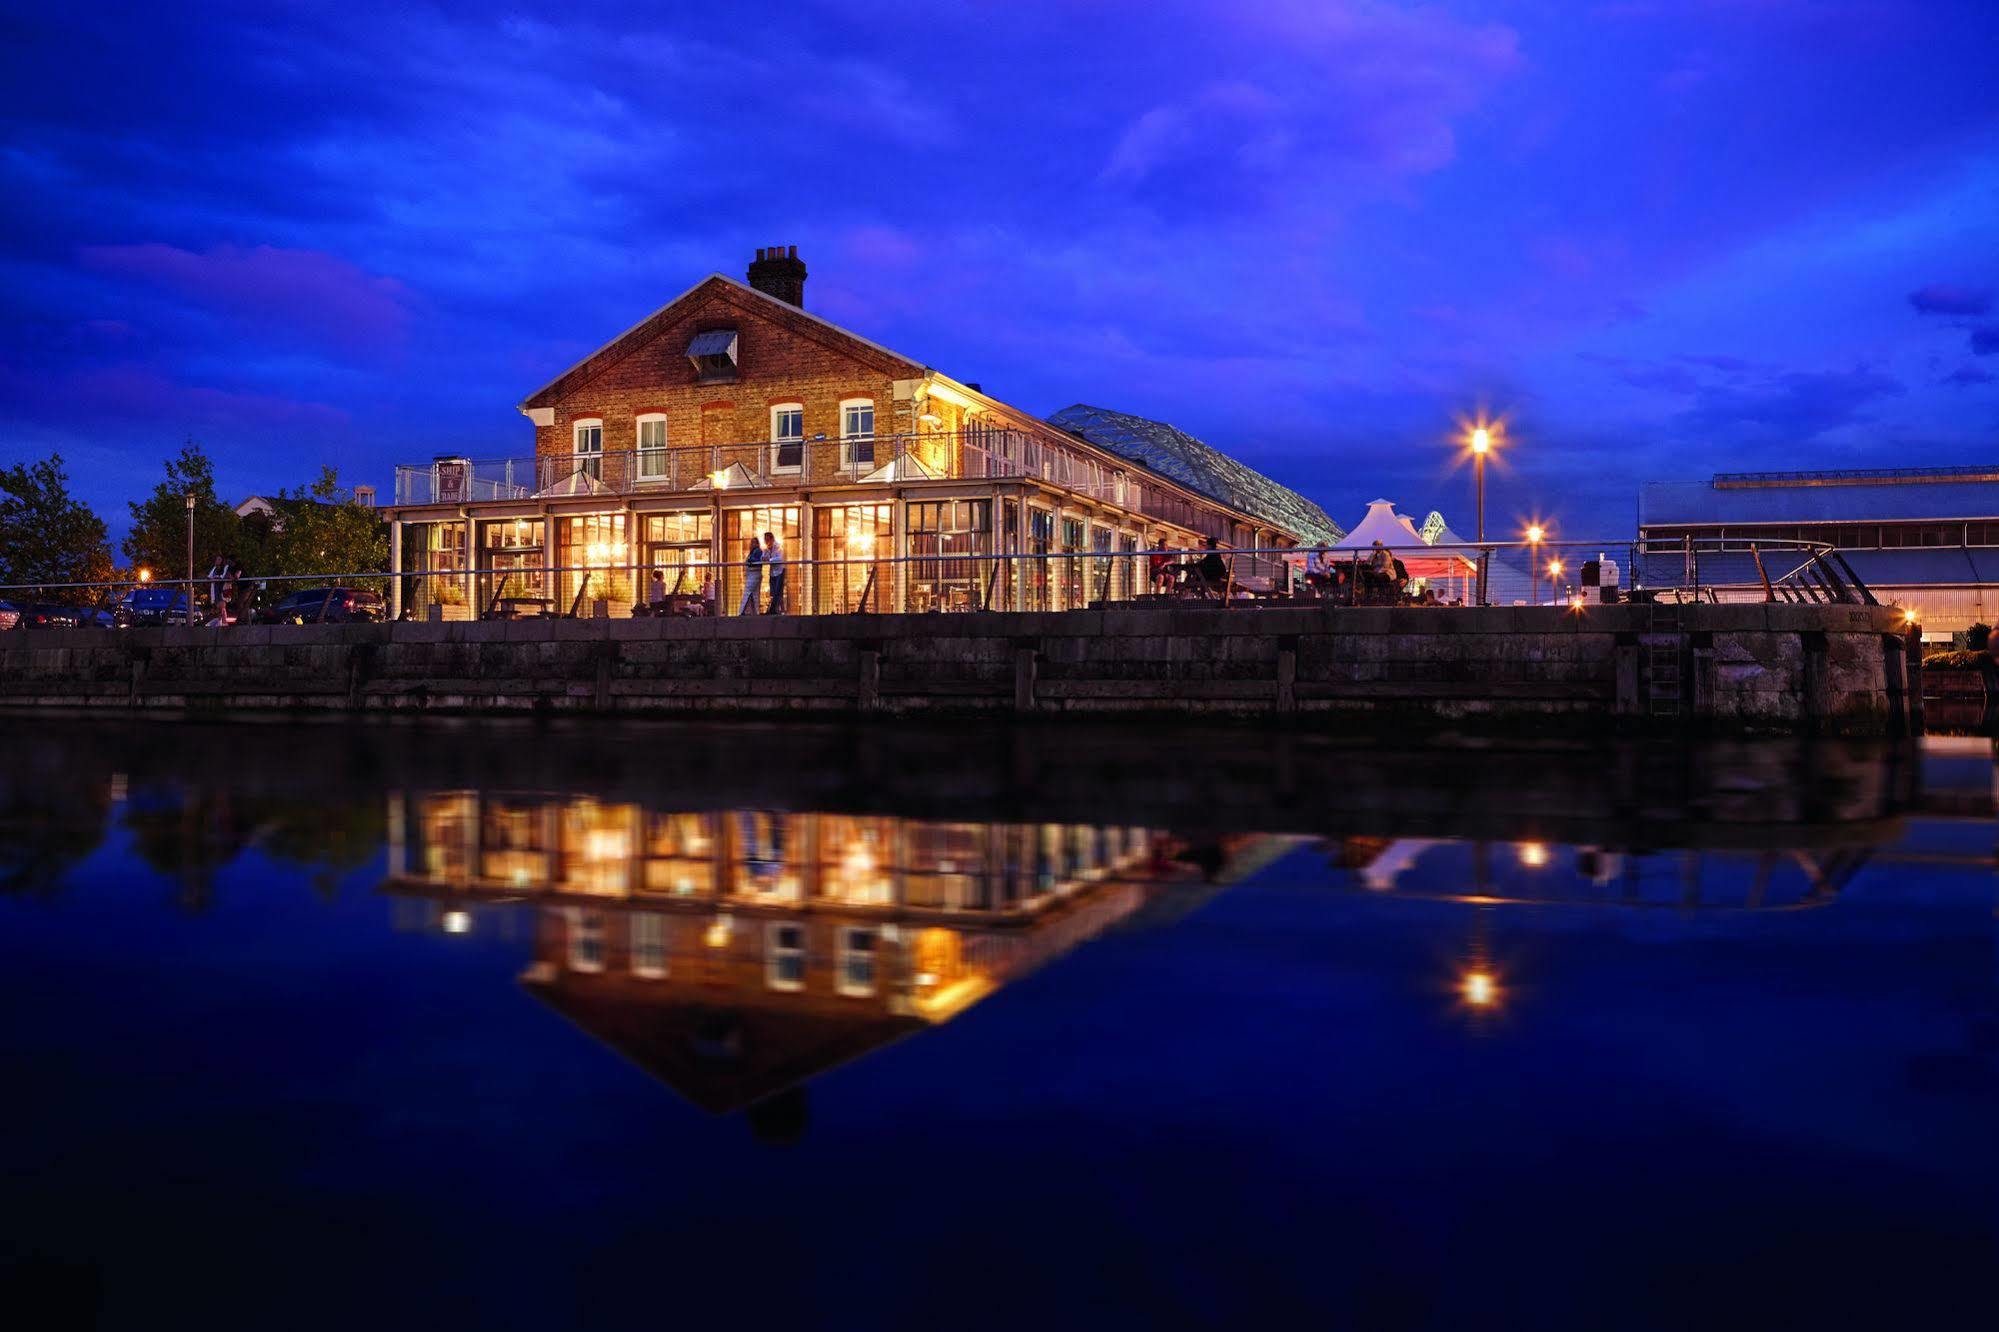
[(276, 290), (1943, 298)]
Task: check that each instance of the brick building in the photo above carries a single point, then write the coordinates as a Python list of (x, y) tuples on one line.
[(732, 411), (734, 954)]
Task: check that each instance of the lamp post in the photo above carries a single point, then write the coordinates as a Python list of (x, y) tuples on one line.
[(1534, 534), (1554, 572), (190, 559), (1481, 444)]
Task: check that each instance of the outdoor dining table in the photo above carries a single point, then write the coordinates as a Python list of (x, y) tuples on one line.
[(509, 608)]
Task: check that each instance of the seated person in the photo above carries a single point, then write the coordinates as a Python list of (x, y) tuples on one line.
[(1323, 572), (1211, 570)]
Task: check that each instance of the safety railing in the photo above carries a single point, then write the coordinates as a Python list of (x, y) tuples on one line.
[(959, 577), (817, 460)]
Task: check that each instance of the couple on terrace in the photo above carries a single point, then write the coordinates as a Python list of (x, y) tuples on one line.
[(761, 560)]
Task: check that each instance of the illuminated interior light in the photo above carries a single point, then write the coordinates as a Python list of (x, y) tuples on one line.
[(457, 922)]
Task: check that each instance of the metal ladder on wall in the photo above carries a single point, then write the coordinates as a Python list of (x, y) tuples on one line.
[(1665, 636)]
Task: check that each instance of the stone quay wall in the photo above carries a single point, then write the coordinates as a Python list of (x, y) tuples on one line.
[(1836, 669)]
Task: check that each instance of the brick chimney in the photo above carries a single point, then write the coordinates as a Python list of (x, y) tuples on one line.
[(779, 272)]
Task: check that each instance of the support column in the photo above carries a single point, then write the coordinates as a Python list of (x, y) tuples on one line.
[(553, 584), (471, 584), (396, 568), (1912, 670), (1628, 704), (899, 515), (1894, 671), (1058, 598), (1025, 652)]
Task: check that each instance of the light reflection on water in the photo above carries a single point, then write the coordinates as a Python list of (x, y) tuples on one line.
[(1473, 975)]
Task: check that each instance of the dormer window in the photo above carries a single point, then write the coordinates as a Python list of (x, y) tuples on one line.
[(714, 355)]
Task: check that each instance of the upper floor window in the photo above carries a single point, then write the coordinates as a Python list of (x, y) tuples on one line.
[(857, 962), (586, 940), (652, 446), (648, 944), (857, 433), (784, 958), (787, 437), (590, 446)]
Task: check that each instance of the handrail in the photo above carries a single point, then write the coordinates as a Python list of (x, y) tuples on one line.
[(1284, 554)]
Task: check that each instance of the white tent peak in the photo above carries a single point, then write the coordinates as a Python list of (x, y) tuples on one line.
[(1382, 524)]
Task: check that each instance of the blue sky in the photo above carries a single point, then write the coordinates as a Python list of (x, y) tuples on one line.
[(1660, 238)]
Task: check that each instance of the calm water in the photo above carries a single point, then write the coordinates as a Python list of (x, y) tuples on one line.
[(518, 1027)]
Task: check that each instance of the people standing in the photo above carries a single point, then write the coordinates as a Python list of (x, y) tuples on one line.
[(242, 606), (774, 569), (218, 570), (656, 593), (753, 577)]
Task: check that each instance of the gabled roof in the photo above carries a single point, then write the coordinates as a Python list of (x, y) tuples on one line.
[(722, 1056), (804, 320), (1204, 470), (1174, 453)]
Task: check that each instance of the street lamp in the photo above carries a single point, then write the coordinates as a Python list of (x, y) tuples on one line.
[(190, 559), (1534, 534), (1554, 572), (1481, 444)]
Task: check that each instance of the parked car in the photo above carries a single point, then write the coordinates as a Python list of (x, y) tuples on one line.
[(149, 606), (329, 605), (44, 616)]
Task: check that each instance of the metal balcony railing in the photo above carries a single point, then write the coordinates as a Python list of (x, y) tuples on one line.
[(816, 461), (961, 571)]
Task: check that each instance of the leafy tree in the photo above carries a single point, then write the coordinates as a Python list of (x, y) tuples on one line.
[(46, 536), (159, 522), (320, 532)]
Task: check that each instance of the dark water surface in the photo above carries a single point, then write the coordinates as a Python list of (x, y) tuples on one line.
[(508, 1026)]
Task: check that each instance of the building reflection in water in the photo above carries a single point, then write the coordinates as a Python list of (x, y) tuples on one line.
[(737, 954)]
